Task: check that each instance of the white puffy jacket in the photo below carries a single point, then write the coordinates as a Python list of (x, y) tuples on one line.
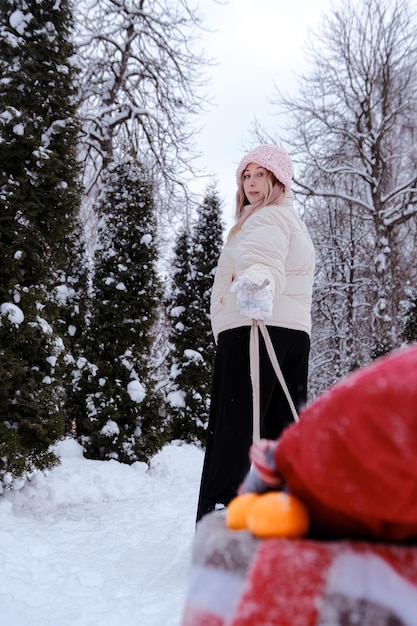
[(272, 244)]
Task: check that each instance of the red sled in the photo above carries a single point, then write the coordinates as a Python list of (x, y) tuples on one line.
[(352, 460)]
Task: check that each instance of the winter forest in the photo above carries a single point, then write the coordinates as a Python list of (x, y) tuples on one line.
[(107, 258)]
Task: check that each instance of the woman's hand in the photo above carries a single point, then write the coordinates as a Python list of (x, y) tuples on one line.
[(253, 300)]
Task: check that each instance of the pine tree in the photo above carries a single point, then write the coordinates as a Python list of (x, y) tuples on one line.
[(178, 305), (409, 319), (191, 337), (123, 414), (73, 297), (39, 196)]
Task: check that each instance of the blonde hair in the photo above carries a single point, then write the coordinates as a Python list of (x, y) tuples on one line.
[(274, 195)]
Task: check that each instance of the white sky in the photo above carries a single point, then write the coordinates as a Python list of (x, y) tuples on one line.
[(257, 43)]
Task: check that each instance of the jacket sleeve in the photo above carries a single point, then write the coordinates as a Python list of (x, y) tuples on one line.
[(263, 249)]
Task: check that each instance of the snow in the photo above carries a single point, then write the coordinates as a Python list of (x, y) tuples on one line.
[(19, 129), (12, 312), (136, 391), (18, 20), (146, 239), (176, 311), (176, 398), (193, 355), (100, 543), (110, 428), (64, 294)]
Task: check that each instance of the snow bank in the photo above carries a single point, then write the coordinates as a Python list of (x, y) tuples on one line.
[(99, 543)]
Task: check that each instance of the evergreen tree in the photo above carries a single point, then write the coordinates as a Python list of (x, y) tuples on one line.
[(39, 196), (72, 295), (191, 337), (409, 319), (178, 305), (123, 413)]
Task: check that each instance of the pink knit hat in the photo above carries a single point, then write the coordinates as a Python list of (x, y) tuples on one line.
[(272, 158)]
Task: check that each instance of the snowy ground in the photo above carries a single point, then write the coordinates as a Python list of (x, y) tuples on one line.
[(100, 543)]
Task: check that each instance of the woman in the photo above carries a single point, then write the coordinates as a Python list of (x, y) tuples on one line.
[(265, 271)]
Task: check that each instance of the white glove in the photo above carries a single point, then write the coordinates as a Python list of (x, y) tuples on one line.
[(253, 300)]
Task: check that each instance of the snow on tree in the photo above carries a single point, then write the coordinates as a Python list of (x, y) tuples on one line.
[(409, 316), (141, 84), (192, 355), (122, 417), (74, 301), (352, 131), (39, 196)]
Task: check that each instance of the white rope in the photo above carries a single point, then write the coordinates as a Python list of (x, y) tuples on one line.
[(254, 372)]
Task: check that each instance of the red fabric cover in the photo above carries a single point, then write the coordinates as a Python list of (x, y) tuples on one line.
[(238, 580), (308, 583), (284, 584), (352, 457)]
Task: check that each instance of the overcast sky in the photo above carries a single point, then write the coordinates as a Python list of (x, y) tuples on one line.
[(257, 43)]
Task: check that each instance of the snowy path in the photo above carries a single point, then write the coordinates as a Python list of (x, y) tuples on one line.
[(100, 544)]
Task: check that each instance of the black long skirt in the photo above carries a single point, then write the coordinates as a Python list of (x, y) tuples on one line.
[(229, 436)]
